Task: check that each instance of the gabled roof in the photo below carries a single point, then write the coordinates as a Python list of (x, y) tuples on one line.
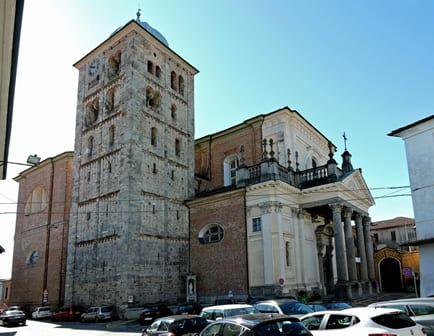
[(390, 223)]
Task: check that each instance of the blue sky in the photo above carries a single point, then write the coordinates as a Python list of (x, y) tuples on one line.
[(364, 68)]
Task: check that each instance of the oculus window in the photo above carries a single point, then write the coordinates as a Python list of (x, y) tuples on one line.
[(212, 233)]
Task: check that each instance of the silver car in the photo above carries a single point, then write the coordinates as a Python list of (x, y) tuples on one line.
[(420, 310), (98, 314)]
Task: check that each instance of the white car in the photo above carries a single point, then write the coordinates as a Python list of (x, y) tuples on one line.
[(222, 311), (420, 310), (41, 313), (362, 321)]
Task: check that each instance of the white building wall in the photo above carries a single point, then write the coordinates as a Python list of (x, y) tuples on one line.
[(419, 146)]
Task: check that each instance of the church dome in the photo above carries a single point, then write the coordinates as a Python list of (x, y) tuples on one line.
[(154, 32)]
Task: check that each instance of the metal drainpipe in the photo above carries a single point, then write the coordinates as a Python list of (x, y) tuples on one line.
[(48, 229)]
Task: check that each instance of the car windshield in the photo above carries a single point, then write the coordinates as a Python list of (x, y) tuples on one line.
[(185, 308), (397, 320), (241, 311), (14, 312), (419, 309), (276, 328), (184, 325), (295, 308), (337, 305)]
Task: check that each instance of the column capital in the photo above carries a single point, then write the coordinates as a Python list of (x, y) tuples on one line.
[(366, 220), (336, 207), (347, 212), (268, 207), (358, 216)]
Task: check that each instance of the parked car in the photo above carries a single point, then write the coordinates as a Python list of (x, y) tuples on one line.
[(257, 325), (222, 311), (218, 302), (316, 306), (68, 313), (152, 312), (420, 310), (336, 305), (283, 306), (189, 308), (361, 321), (13, 317), (98, 314), (14, 308), (176, 325), (41, 313), (321, 306)]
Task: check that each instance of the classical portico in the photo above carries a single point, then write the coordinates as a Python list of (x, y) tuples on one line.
[(325, 208)]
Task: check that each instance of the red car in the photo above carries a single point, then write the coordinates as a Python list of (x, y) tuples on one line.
[(68, 313)]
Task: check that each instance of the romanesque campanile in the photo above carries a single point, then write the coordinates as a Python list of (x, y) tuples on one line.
[(133, 170)]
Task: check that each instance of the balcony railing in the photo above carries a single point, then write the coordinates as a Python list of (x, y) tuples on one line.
[(300, 179)]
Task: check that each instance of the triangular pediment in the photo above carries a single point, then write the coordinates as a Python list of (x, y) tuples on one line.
[(350, 190)]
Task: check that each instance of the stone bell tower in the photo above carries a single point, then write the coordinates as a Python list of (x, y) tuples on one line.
[(133, 169)]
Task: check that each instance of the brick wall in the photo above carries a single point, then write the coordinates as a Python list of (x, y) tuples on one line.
[(41, 224), (211, 152), (220, 266)]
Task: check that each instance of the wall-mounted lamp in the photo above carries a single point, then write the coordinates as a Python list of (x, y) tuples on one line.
[(32, 160)]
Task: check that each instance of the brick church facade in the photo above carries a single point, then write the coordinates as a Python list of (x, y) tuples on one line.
[(259, 209)]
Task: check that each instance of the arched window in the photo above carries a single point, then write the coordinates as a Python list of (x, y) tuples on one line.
[(114, 65), (92, 110), (155, 102), (212, 233), (112, 135), (177, 147), (314, 164), (153, 98), (33, 258), (109, 101), (230, 170), (173, 80), (36, 202), (149, 94), (153, 136), (150, 67), (181, 85), (89, 146), (173, 111)]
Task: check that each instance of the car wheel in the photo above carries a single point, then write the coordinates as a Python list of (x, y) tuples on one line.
[(82, 320), (96, 319)]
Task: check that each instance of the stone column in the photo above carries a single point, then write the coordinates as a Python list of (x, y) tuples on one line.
[(369, 248), (321, 251), (361, 248), (349, 243), (341, 260), (267, 236)]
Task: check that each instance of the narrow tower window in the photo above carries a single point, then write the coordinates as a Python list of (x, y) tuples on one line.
[(181, 85), (177, 147), (150, 67), (153, 136), (173, 80), (112, 135), (89, 146)]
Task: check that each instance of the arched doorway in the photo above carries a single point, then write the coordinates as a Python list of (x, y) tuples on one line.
[(390, 275)]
